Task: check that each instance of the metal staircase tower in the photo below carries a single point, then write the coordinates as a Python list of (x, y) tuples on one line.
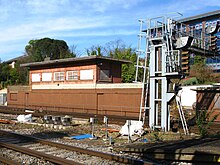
[(164, 58)]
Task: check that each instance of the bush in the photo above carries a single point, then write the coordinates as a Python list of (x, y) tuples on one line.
[(204, 120), (190, 81)]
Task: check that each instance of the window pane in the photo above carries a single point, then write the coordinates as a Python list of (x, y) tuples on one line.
[(59, 76), (36, 77), (46, 76), (104, 74), (86, 74), (72, 75)]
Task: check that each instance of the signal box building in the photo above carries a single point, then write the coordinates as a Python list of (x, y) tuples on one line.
[(86, 85), (85, 70)]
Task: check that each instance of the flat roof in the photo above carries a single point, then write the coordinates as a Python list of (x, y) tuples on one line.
[(74, 60), (201, 16)]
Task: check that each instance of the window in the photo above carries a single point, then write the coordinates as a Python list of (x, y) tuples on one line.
[(86, 74), (46, 76), (104, 74), (35, 77), (72, 75), (59, 76)]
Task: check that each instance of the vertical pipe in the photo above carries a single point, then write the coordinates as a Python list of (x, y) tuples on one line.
[(129, 133)]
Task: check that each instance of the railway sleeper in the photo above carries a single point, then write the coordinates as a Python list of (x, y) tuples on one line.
[(51, 158)]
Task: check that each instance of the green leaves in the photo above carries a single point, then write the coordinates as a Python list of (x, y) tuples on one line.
[(201, 71), (8, 75), (36, 50), (204, 120), (118, 50), (46, 47)]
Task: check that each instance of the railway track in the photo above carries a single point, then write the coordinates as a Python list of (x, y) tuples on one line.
[(56, 153), (198, 151)]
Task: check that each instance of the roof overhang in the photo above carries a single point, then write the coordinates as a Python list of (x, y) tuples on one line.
[(201, 16), (67, 61)]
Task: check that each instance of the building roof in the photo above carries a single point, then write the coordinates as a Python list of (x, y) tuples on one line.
[(15, 59), (75, 60), (201, 16)]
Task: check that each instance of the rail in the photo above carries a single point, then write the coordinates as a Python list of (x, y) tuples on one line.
[(108, 156), (37, 154)]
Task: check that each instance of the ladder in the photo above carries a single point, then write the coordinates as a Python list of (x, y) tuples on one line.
[(181, 113), (144, 53)]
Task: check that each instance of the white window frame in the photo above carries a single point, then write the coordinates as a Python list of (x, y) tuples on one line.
[(47, 76), (74, 75), (86, 74), (35, 77), (59, 75)]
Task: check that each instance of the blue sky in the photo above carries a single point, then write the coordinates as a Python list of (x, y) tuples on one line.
[(83, 23)]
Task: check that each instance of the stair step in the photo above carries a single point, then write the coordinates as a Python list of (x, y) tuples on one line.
[(185, 52), (185, 57)]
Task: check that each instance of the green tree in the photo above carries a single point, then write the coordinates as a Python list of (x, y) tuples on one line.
[(47, 47), (95, 51), (22, 71), (73, 51), (8, 75), (36, 50), (16, 75), (201, 71), (118, 50), (199, 60), (204, 120)]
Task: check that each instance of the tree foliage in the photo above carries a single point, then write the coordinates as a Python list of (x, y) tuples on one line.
[(95, 51), (199, 60), (47, 47), (201, 71), (13, 76), (8, 75), (36, 50), (204, 120), (118, 50)]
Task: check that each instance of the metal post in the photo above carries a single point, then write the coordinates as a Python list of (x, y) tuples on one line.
[(129, 135), (92, 121), (106, 127)]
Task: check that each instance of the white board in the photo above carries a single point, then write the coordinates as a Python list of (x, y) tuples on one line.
[(35, 77), (188, 95), (86, 74), (46, 76)]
